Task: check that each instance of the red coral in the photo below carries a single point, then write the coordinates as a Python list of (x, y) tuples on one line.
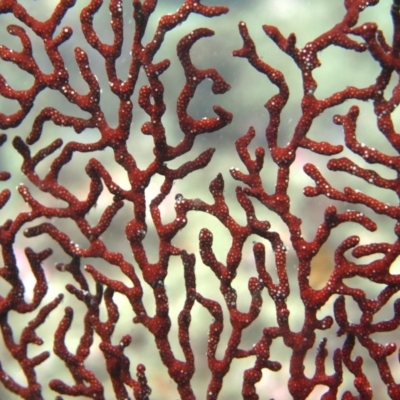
[(101, 273)]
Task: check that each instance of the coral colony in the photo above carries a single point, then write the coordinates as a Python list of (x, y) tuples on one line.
[(352, 357)]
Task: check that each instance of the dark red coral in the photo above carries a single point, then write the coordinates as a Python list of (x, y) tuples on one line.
[(139, 272)]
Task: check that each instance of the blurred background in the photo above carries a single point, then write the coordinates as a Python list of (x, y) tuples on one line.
[(249, 92)]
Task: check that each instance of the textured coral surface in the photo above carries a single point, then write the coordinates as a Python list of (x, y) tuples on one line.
[(135, 263)]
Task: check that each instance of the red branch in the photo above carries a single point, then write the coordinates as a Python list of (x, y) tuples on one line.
[(347, 34)]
